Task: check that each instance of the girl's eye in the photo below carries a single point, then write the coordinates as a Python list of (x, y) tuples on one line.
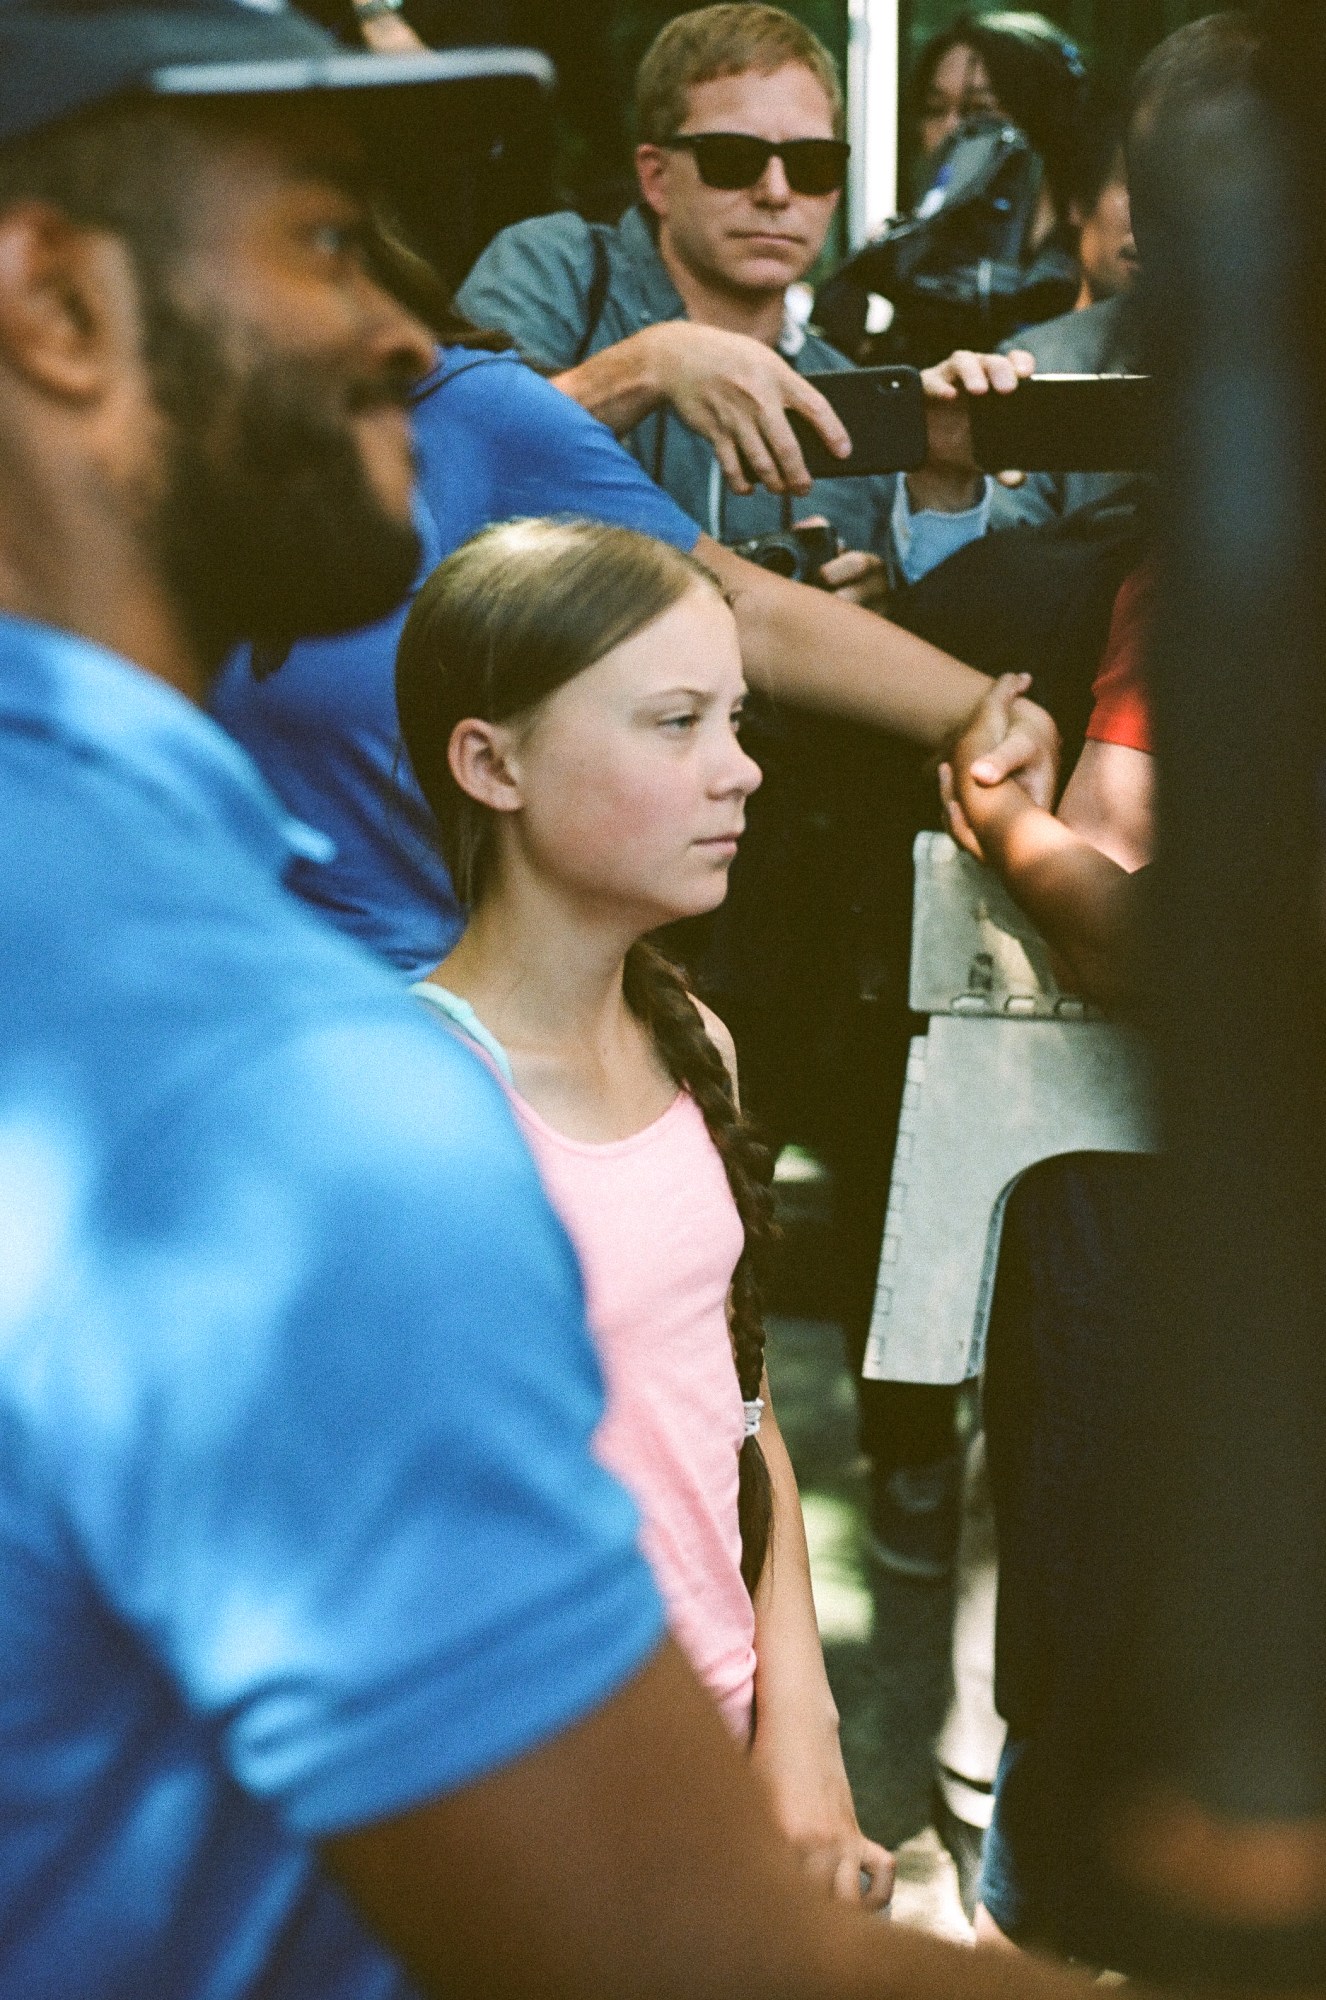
[(679, 723)]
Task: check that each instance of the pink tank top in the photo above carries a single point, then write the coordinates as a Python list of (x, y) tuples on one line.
[(658, 1236)]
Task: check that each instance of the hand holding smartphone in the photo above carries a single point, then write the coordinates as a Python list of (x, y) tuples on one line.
[(1049, 423), (1066, 423)]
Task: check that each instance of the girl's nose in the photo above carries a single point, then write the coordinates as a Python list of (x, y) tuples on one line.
[(745, 775)]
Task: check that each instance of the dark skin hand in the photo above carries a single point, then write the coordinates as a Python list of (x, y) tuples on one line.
[(1088, 908), (633, 1855)]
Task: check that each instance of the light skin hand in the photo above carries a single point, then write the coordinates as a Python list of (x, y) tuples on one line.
[(858, 577), (1010, 737), (950, 480), (732, 389), (388, 35), (796, 1751), (736, 392)]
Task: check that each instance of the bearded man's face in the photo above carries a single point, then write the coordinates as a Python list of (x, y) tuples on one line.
[(278, 503)]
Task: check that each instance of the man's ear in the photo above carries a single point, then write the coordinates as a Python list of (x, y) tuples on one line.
[(68, 302), (651, 170), (480, 756)]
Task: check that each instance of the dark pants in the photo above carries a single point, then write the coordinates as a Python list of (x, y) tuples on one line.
[(1068, 1307)]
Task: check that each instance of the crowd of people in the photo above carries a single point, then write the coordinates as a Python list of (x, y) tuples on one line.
[(403, 1583)]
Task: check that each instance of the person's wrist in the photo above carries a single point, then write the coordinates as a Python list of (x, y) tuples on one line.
[(994, 813), (653, 349)]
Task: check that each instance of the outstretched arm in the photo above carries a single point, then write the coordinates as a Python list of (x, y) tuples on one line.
[(632, 1857), (817, 651)]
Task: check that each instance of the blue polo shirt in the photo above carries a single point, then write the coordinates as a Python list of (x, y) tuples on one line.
[(298, 1521), (493, 441)]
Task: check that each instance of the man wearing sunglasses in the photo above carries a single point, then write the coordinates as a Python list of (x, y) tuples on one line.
[(673, 327)]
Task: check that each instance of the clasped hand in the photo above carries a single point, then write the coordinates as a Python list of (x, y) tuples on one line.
[(1006, 738)]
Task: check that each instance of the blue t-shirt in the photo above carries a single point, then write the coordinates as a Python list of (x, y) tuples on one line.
[(494, 440), (299, 1525)]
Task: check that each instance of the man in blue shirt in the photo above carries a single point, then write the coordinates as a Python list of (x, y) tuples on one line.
[(298, 1524), (307, 1576)]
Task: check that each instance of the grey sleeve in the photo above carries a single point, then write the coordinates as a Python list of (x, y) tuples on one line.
[(533, 283)]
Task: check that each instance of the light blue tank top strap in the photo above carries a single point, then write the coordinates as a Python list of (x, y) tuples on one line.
[(461, 1015)]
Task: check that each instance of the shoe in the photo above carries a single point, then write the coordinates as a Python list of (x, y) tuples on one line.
[(914, 1515)]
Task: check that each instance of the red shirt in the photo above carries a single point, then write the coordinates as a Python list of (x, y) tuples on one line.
[(1123, 711)]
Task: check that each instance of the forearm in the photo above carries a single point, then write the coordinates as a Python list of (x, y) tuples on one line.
[(790, 1681), (1084, 904), (806, 647), (632, 1855), (620, 385)]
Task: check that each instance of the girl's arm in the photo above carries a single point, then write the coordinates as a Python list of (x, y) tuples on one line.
[(796, 1749)]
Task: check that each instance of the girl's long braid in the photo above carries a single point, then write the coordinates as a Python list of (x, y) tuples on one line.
[(656, 993)]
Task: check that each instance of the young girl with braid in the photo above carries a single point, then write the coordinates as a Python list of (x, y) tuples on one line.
[(568, 695)]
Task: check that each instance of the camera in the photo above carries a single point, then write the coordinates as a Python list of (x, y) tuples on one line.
[(798, 553)]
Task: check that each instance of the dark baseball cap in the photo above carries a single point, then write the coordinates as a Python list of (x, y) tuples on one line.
[(59, 57)]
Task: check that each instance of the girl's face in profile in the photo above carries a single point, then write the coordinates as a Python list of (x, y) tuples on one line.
[(632, 782)]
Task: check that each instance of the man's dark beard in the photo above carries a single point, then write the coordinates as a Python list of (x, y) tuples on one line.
[(266, 524)]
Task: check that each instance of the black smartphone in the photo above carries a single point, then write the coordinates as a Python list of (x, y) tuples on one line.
[(1066, 423), (883, 412)]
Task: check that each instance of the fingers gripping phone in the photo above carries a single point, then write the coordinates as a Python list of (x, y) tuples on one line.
[(1049, 423), (1066, 423), (882, 411)]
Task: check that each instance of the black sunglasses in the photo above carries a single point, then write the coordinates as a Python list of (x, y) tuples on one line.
[(738, 160)]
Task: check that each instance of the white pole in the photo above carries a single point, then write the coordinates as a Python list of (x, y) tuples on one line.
[(872, 116)]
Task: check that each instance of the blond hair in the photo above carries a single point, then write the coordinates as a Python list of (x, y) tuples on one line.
[(723, 41)]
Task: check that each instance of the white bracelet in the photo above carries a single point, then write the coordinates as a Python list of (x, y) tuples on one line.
[(752, 1412)]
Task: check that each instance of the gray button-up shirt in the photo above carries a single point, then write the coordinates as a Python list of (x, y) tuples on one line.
[(537, 282)]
